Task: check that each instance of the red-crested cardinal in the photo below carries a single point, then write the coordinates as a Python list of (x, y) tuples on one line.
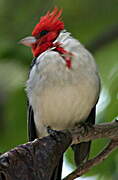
[(63, 86)]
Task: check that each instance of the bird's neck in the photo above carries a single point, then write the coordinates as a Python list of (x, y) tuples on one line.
[(64, 53), (57, 46)]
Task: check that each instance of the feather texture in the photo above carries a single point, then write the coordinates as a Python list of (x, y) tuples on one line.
[(61, 97)]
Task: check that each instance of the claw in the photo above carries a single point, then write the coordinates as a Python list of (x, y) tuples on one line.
[(56, 135)]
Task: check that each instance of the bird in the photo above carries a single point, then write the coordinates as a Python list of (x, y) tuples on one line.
[(64, 84)]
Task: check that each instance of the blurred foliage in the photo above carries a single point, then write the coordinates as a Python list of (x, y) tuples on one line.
[(85, 20)]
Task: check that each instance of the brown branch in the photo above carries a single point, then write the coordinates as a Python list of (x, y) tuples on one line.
[(103, 39), (34, 160), (93, 162), (103, 130), (38, 159)]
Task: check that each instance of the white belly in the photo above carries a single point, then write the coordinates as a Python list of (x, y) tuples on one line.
[(61, 108), (61, 104)]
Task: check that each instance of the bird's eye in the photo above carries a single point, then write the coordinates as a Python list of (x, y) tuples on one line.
[(44, 32)]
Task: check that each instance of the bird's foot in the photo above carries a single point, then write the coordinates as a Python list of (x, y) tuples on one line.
[(86, 126), (56, 135)]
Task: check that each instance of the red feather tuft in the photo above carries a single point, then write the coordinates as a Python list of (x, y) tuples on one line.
[(49, 22)]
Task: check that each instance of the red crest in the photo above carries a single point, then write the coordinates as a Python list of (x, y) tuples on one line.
[(49, 22)]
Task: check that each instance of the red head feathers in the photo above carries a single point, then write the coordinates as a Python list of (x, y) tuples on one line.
[(49, 22), (45, 32)]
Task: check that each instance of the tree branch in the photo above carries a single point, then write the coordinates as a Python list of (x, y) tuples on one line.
[(38, 159), (93, 162), (103, 130), (35, 160)]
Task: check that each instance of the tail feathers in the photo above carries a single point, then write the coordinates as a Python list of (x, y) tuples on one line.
[(58, 170), (81, 152)]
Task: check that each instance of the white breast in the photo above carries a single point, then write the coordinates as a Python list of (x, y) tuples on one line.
[(61, 97)]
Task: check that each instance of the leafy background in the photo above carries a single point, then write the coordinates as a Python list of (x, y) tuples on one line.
[(85, 19)]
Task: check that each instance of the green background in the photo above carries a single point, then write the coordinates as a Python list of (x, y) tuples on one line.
[(86, 20)]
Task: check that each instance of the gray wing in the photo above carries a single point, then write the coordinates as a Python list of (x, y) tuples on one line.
[(31, 125), (30, 114)]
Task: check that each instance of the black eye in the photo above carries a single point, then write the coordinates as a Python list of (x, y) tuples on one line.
[(44, 32)]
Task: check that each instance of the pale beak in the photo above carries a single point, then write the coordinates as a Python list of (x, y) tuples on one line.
[(28, 41)]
